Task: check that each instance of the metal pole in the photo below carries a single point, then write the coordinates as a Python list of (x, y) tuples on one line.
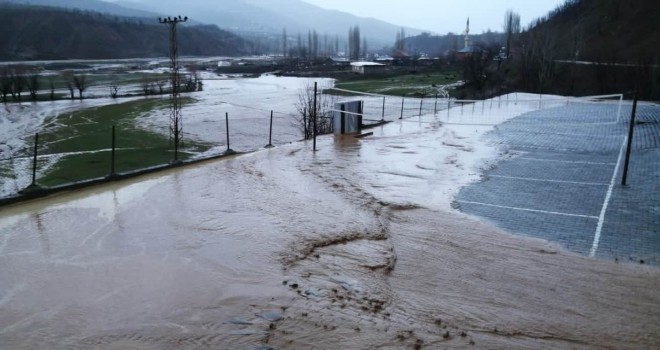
[(176, 122), (403, 100), (270, 135), (630, 139), (421, 102), (112, 165), (229, 150), (315, 87), (382, 118), (435, 107), (34, 160)]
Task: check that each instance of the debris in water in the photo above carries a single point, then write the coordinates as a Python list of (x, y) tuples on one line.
[(271, 316), (239, 321)]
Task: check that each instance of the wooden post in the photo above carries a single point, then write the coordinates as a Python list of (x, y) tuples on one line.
[(112, 158)]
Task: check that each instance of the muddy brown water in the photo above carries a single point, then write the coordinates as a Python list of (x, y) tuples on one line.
[(287, 249)]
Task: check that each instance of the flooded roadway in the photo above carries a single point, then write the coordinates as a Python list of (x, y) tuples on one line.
[(354, 246)]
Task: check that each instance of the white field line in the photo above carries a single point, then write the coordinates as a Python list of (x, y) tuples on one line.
[(564, 161), (606, 202), (64, 154), (546, 180), (531, 210)]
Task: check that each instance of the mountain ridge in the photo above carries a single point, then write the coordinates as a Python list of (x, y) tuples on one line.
[(48, 33)]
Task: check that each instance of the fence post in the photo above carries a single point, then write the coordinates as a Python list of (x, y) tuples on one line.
[(403, 100), (382, 118), (270, 134), (630, 139), (112, 158), (34, 160), (305, 123), (435, 106), (421, 103), (315, 87), (229, 150)]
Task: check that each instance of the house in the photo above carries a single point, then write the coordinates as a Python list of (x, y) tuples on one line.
[(367, 67), (467, 52)]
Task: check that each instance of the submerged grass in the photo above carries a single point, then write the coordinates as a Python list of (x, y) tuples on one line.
[(79, 145), (418, 85)]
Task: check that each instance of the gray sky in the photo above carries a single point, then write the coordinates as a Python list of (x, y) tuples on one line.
[(442, 16)]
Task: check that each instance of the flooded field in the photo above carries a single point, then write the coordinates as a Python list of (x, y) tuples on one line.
[(354, 246)]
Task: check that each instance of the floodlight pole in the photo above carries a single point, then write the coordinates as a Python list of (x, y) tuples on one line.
[(176, 121)]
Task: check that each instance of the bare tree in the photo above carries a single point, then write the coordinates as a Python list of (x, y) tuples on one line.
[(147, 86), (285, 42), (68, 81), (543, 48), (18, 81), (354, 43), (400, 43), (51, 84), (33, 84), (5, 83), (511, 29), (114, 90), (305, 106), (80, 81), (160, 84)]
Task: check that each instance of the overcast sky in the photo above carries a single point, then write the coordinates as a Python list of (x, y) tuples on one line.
[(442, 16)]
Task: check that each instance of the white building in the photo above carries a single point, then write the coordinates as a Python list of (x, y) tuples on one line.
[(367, 67)]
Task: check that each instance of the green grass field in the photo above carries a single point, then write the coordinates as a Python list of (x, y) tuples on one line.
[(80, 142), (417, 85)]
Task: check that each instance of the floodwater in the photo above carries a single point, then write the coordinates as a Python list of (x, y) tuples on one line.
[(354, 246), (248, 101)]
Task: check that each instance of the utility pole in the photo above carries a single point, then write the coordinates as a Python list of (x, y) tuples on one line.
[(176, 122)]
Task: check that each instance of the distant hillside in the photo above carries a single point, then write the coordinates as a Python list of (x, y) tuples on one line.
[(40, 33), (583, 47), (604, 30), (87, 5), (271, 16)]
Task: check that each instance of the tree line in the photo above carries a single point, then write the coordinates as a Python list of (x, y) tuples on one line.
[(314, 46), (16, 81)]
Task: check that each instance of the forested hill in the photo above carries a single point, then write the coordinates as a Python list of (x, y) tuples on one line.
[(604, 30), (45, 33)]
